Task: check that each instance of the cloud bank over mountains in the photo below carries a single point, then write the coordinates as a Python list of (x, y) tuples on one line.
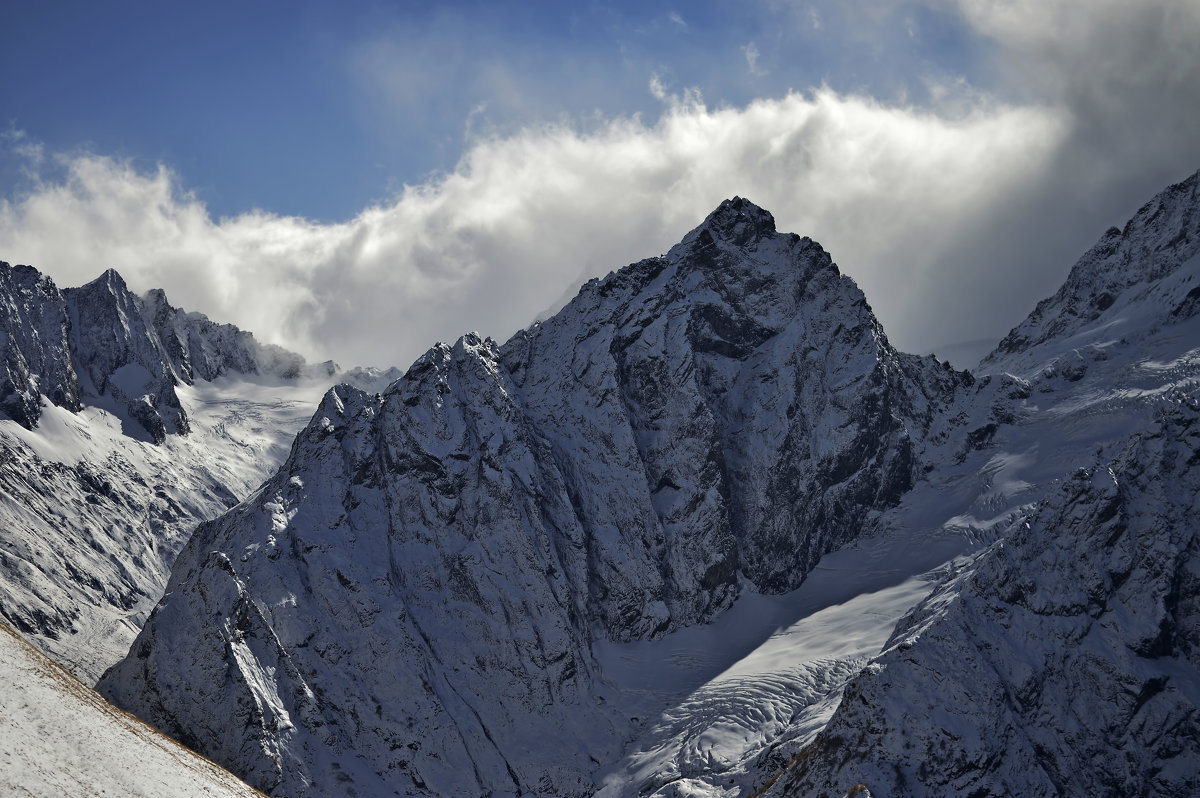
[(953, 215)]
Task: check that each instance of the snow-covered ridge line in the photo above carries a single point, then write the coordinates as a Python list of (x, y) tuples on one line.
[(101, 345), (1065, 660), (1142, 269), (93, 517)]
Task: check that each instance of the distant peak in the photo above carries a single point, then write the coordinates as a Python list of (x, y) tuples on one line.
[(156, 302), (739, 221), (110, 279)]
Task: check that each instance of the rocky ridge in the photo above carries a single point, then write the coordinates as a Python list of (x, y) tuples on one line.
[(1131, 282), (1063, 661), (101, 345)]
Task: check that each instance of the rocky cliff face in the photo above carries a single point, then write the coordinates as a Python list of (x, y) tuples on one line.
[(199, 348), (408, 605), (34, 331), (118, 356), (751, 404)]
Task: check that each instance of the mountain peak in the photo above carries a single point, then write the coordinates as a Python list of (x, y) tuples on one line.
[(719, 416), (110, 279), (739, 221), (1145, 271)]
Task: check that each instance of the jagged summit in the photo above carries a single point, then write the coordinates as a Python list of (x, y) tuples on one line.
[(739, 222), (737, 243), (111, 279), (101, 344), (734, 259)]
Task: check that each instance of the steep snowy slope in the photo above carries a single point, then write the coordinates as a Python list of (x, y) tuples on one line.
[(58, 737), (1134, 284), (96, 498), (407, 607), (1064, 660), (93, 519)]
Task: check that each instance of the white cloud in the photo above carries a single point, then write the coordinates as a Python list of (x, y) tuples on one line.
[(752, 55), (887, 190), (955, 220), (31, 155), (658, 89), (1125, 70)]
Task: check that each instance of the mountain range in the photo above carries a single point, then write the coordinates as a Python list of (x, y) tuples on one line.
[(704, 531), (129, 421)]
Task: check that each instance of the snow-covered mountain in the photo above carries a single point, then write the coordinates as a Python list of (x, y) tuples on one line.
[(1062, 661), (129, 422), (1130, 289), (718, 417), (705, 532)]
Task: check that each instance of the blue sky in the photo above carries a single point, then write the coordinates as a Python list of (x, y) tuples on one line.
[(358, 180), (319, 108)]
